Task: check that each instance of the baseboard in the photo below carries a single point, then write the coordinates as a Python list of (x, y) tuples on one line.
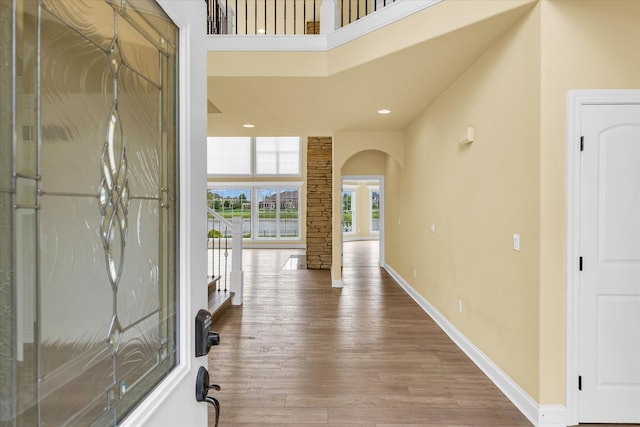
[(553, 416), (538, 415), (336, 283)]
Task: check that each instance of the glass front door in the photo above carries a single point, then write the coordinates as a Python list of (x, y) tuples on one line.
[(87, 208)]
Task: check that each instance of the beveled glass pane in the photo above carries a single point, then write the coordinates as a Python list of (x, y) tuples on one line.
[(139, 54), (77, 299), (76, 101), (25, 281), (93, 19), (7, 325), (138, 352), (26, 191), (139, 106), (26, 134), (149, 18), (139, 367), (139, 292), (6, 87), (77, 306)]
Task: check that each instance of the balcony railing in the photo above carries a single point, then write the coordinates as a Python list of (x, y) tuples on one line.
[(224, 238), (281, 17)]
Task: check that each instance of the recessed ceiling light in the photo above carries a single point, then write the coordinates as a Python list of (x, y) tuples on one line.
[(261, 31), (248, 125), (384, 111)]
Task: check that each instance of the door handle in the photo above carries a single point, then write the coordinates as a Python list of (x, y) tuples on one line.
[(202, 391)]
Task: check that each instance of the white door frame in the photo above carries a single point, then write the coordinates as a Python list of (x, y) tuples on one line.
[(380, 179), (172, 402), (578, 99)]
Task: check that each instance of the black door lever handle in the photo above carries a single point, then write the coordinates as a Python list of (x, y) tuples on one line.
[(202, 391)]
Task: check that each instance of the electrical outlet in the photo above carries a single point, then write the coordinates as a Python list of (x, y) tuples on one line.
[(516, 242), (459, 306)]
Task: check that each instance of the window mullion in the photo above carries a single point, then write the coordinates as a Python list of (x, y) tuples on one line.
[(254, 213), (277, 218)]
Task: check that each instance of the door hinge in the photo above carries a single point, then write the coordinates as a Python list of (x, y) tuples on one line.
[(580, 266), (580, 382), (582, 143)]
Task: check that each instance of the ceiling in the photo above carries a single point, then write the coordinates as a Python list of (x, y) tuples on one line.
[(406, 82)]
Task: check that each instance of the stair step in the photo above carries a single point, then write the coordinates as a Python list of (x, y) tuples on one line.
[(211, 287), (219, 303)]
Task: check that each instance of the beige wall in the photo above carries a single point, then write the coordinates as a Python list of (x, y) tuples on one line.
[(511, 180), (368, 162), (585, 45), (477, 196)]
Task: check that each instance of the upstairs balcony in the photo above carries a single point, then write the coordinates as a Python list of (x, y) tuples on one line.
[(300, 24), (286, 17)]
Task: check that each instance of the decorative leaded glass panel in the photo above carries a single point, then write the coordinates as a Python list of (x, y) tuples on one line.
[(87, 208), (76, 98), (139, 290), (139, 106)]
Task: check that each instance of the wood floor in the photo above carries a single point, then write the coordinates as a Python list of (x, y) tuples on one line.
[(300, 353)]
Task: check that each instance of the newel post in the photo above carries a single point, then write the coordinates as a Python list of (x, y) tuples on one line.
[(329, 16), (237, 275)]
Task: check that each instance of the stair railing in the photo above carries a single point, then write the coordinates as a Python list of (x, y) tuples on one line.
[(283, 17), (220, 277)]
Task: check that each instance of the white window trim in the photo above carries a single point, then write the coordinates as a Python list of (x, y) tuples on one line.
[(253, 187), (373, 188), (253, 155), (351, 189)]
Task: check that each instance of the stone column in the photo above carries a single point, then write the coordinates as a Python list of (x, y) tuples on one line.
[(319, 203)]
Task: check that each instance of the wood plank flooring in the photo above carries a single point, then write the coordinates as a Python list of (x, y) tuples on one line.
[(300, 353)]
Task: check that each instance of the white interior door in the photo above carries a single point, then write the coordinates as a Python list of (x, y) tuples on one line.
[(609, 306)]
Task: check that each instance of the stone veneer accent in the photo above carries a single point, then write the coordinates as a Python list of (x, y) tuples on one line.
[(319, 208)]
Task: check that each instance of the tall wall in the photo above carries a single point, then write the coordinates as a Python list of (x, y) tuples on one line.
[(477, 196), (319, 183), (584, 45)]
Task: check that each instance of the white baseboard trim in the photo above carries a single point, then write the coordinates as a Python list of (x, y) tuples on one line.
[(553, 416), (539, 416), (336, 283)]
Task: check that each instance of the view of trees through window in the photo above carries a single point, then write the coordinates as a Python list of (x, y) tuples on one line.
[(348, 200), (267, 212), (375, 210)]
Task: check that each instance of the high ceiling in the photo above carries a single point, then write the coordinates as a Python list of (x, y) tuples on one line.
[(406, 81)]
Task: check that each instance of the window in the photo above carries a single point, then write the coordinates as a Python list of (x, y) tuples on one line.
[(374, 219), (229, 156), (278, 156), (260, 156), (348, 208), (269, 212), (230, 202)]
